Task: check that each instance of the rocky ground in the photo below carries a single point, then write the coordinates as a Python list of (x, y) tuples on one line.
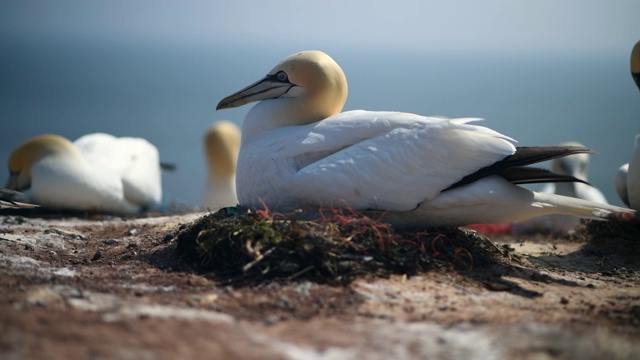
[(114, 288)]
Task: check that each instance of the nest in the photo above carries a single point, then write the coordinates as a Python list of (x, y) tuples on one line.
[(617, 236), (237, 246)]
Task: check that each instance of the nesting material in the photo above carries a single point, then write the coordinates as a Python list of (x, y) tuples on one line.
[(616, 237), (236, 246)]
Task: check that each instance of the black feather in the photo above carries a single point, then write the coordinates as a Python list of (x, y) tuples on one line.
[(531, 175), (513, 167)]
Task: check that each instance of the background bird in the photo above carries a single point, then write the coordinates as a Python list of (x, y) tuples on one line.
[(221, 147), (627, 179), (98, 172)]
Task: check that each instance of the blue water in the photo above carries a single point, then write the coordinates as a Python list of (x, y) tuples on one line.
[(168, 93)]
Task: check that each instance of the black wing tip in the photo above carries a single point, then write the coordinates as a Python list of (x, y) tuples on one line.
[(567, 149), (533, 175), (514, 167)]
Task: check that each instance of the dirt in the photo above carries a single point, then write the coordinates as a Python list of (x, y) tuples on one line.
[(99, 287)]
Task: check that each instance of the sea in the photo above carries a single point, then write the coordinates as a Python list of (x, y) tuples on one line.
[(167, 93)]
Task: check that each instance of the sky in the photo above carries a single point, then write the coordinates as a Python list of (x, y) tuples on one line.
[(456, 25)]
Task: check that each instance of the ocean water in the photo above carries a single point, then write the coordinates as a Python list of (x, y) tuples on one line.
[(168, 93)]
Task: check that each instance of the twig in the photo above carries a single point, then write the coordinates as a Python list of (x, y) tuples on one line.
[(258, 259)]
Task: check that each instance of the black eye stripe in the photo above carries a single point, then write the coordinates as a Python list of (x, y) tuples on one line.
[(280, 76)]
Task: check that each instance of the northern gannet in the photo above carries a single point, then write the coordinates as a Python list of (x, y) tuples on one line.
[(221, 147), (98, 172), (627, 180), (577, 166), (299, 152)]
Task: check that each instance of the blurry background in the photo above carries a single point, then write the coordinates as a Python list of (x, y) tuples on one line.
[(540, 71)]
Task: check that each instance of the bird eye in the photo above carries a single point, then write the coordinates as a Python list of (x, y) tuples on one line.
[(282, 76)]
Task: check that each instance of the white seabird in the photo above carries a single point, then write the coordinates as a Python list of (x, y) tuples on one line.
[(299, 152), (620, 182), (98, 172), (221, 147), (577, 166), (627, 180)]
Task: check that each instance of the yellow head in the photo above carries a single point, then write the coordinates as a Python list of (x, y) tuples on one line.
[(312, 78), (28, 154), (221, 146), (323, 81)]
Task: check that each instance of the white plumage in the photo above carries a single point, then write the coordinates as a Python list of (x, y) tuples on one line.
[(98, 172), (633, 177)]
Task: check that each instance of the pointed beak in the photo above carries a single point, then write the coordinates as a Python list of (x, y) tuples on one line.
[(266, 88), (13, 181)]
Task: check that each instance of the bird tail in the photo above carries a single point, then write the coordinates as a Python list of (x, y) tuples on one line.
[(558, 204)]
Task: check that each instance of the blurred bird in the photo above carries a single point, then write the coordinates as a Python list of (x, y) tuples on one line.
[(98, 172), (627, 180), (620, 182), (221, 147), (577, 166)]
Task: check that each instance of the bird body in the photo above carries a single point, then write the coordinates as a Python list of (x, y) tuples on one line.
[(627, 179), (633, 177), (576, 165), (323, 164), (620, 182)]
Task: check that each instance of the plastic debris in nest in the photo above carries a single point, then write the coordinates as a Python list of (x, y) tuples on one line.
[(240, 247)]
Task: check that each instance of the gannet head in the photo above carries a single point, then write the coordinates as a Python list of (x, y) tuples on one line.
[(27, 154), (311, 78), (221, 146), (635, 64), (575, 165)]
